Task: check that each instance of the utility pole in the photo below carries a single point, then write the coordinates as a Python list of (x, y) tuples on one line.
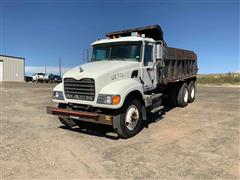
[(45, 69), (85, 56), (60, 67)]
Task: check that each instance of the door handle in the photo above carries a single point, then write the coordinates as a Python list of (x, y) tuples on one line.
[(150, 68)]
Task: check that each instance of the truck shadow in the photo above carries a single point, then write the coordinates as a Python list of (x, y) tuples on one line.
[(94, 130), (156, 117), (108, 131)]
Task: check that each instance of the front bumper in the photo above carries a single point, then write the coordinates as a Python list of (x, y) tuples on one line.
[(81, 116)]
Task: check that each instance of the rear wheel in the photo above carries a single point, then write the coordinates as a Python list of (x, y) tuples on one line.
[(192, 91), (183, 94), (129, 123)]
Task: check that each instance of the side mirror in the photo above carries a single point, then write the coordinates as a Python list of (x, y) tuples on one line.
[(158, 51)]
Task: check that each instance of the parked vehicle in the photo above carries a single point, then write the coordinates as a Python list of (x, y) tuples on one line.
[(27, 78), (131, 72), (54, 78), (39, 77)]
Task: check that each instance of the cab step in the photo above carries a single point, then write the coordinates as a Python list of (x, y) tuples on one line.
[(156, 109), (156, 96)]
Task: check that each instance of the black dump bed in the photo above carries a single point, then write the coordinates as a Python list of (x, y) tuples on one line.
[(178, 64), (154, 31), (180, 54)]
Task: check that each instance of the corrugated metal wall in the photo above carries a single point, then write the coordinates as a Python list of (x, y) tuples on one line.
[(13, 68)]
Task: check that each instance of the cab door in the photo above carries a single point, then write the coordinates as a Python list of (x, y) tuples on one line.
[(148, 73)]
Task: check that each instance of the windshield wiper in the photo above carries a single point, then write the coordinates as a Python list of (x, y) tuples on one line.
[(116, 58)]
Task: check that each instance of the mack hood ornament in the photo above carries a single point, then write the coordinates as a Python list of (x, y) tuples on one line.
[(80, 69)]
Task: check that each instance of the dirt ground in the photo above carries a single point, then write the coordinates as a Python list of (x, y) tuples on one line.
[(200, 141)]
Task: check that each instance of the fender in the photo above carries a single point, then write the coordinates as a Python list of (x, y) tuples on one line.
[(122, 88), (59, 87)]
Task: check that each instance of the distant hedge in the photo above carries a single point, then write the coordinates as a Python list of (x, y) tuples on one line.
[(218, 79)]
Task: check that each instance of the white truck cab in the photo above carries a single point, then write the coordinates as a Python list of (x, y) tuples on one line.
[(118, 67), (117, 86)]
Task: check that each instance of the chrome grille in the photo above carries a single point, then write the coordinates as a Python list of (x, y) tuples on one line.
[(83, 89)]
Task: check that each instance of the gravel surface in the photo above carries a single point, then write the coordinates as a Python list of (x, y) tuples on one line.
[(200, 141)]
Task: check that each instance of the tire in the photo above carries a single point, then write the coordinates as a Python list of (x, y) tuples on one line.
[(192, 91), (67, 122), (182, 97), (129, 122)]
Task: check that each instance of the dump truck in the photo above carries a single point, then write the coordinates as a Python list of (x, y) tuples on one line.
[(131, 73)]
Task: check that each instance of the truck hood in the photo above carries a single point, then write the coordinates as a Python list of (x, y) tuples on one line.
[(100, 68)]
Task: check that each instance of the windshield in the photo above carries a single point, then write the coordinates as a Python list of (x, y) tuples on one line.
[(117, 51)]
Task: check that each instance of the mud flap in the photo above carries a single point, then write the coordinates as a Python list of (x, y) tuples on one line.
[(116, 121), (144, 113)]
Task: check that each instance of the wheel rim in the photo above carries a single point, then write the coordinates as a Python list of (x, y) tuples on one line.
[(186, 95), (193, 92), (132, 117)]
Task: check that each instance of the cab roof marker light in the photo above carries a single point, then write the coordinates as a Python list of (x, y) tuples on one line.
[(134, 34)]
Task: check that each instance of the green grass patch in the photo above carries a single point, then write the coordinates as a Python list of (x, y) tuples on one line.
[(219, 79)]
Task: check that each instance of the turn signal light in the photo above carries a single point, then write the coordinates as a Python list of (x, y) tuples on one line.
[(116, 100)]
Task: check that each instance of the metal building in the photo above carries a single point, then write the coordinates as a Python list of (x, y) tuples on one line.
[(12, 68)]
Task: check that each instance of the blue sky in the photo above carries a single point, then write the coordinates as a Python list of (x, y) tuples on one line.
[(43, 31)]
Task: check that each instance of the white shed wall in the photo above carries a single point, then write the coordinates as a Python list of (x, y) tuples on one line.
[(13, 68)]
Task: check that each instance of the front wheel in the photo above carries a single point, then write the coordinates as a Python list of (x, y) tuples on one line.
[(130, 118), (67, 122)]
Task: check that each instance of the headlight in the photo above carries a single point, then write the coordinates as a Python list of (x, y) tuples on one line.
[(58, 95), (108, 99)]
